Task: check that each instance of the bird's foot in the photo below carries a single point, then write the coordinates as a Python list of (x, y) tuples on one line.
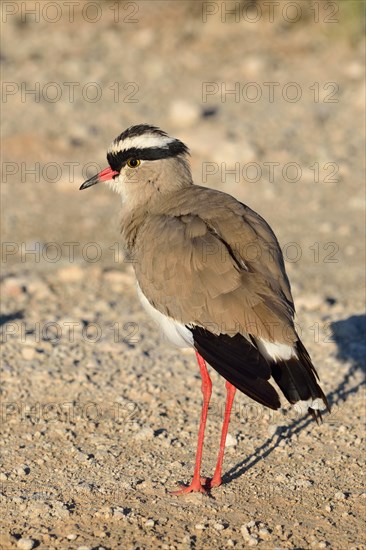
[(196, 486), (203, 485), (211, 482)]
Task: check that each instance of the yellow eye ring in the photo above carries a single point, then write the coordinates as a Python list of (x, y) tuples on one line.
[(133, 163)]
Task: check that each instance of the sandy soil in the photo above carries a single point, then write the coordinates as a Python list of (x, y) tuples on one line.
[(99, 418)]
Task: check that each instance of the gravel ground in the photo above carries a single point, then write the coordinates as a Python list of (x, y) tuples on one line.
[(99, 418)]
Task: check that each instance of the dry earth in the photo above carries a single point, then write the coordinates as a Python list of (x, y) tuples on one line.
[(99, 419)]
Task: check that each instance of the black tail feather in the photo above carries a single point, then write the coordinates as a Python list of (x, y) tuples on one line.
[(240, 362), (297, 378)]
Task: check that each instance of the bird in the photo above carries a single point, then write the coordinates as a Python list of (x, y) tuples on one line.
[(199, 280)]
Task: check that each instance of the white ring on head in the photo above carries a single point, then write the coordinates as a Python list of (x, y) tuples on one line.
[(140, 142)]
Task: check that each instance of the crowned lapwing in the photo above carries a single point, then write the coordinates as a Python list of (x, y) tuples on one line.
[(200, 280)]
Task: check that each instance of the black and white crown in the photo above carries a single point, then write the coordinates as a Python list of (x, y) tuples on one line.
[(143, 142)]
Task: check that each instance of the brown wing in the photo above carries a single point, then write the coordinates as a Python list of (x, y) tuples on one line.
[(211, 261)]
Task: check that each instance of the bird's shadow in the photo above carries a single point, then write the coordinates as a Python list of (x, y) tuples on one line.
[(349, 335)]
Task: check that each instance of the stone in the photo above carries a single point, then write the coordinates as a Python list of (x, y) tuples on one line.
[(184, 113), (149, 523), (231, 441), (71, 274), (28, 353), (25, 544)]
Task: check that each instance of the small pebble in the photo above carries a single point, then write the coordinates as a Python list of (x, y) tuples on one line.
[(72, 536), (71, 274), (354, 70), (150, 523), (118, 277), (12, 287), (23, 470), (28, 353), (144, 434), (25, 544), (304, 482), (310, 302), (230, 441), (199, 527), (244, 531), (264, 534), (340, 495), (99, 533), (271, 430), (183, 113), (219, 526)]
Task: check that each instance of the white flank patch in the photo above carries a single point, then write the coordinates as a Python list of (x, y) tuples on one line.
[(140, 142), (274, 351), (174, 332)]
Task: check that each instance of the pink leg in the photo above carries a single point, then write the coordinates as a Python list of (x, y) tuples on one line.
[(230, 394), (206, 388)]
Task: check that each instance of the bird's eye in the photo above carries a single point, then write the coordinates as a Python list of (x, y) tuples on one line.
[(133, 163)]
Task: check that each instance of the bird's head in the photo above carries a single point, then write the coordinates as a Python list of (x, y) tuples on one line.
[(144, 162)]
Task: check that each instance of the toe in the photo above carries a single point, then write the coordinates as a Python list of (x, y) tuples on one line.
[(194, 487)]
